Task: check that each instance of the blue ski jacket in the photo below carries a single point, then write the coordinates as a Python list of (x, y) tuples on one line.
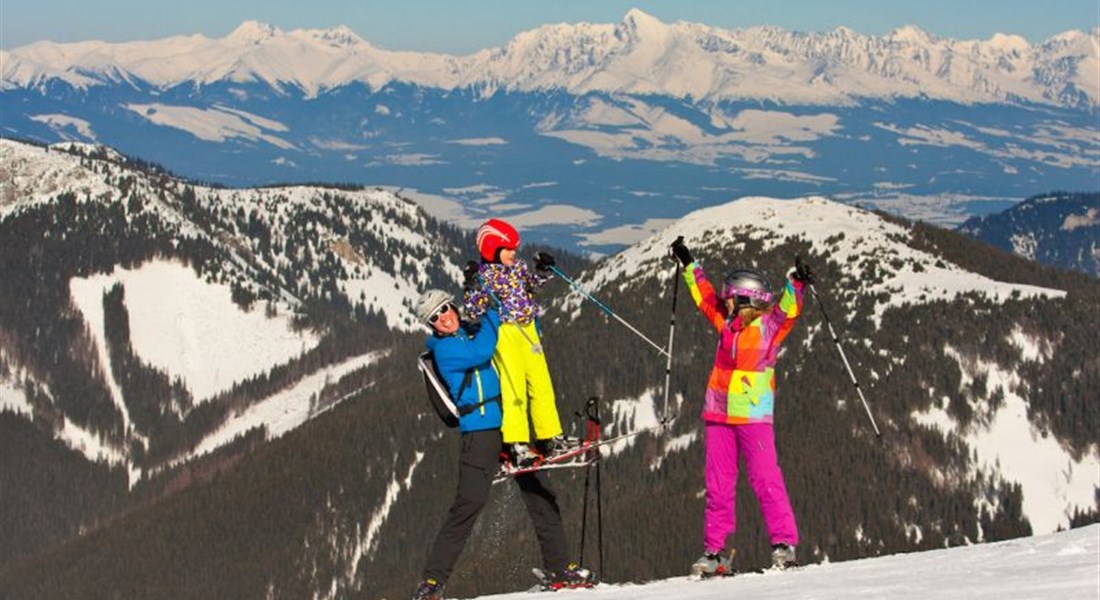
[(465, 361)]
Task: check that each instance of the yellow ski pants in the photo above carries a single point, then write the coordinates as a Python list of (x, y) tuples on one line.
[(525, 386)]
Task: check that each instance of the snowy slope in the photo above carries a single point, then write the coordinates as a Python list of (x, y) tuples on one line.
[(638, 55), (190, 328), (1054, 483), (310, 59), (30, 176), (1061, 566), (849, 235)]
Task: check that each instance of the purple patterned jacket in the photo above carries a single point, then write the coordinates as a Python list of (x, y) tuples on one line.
[(514, 286)]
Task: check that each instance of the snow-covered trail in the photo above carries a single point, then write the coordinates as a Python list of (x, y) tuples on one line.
[(1061, 566)]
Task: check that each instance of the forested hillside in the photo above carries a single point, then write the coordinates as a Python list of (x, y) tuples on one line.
[(948, 336), (1058, 229)]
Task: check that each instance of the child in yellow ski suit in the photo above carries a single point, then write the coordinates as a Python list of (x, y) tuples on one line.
[(504, 281)]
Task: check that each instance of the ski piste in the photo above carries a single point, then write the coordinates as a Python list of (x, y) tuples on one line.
[(585, 454)]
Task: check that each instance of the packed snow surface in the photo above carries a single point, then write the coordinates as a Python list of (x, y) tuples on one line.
[(1061, 566)]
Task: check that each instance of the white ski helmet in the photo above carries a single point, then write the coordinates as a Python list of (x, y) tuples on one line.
[(747, 286), (429, 302)]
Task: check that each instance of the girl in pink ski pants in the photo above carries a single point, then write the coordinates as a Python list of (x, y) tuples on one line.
[(740, 397), (755, 443)]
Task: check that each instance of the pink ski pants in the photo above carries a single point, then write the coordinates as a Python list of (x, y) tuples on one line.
[(755, 443)]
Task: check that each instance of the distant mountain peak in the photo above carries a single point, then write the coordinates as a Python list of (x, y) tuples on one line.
[(340, 36), (912, 34), (252, 33), (1009, 42), (639, 21)]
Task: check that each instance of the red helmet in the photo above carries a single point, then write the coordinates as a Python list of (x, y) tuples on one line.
[(493, 235)]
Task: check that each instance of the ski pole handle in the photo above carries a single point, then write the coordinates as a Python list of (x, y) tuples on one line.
[(591, 410)]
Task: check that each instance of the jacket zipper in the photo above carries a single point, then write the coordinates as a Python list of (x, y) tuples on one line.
[(480, 393)]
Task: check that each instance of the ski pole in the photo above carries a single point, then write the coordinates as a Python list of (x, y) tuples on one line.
[(671, 333), (536, 348), (592, 433), (599, 493), (608, 311), (843, 357)]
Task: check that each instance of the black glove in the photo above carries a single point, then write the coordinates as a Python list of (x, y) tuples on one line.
[(681, 252), (543, 261), (470, 275), (802, 272)]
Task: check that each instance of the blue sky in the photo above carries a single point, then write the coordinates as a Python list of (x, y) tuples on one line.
[(464, 26)]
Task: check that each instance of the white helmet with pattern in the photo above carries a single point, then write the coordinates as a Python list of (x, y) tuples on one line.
[(747, 286), (430, 302)]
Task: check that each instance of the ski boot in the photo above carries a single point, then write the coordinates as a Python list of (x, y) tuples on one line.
[(429, 589), (557, 445), (712, 564), (522, 455), (783, 557), (573, 576)]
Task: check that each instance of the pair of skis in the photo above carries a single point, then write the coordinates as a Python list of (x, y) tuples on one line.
[(587, 453), (583, 455)]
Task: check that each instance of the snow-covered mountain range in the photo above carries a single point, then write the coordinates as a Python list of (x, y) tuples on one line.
[(638, 56), (604, 131)]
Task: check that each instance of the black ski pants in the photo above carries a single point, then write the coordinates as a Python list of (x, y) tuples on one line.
[(479, 462)]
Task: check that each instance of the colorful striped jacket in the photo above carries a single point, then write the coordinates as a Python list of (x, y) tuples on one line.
[(741, 388), (513, 286)]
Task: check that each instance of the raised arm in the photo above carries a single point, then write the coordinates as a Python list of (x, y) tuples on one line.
[(456, 355), (475, 299), (533, 278), (789, 307), (702, 292)]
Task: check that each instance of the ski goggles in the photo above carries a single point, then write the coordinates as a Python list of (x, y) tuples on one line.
[(761, 296), (442, 310)]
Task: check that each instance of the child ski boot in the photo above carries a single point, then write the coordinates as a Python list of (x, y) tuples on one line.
[(521, 456), (712, 564), (783, 557), (557, 445)]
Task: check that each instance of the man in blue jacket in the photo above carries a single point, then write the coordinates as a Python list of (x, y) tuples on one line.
[(463, 355)]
